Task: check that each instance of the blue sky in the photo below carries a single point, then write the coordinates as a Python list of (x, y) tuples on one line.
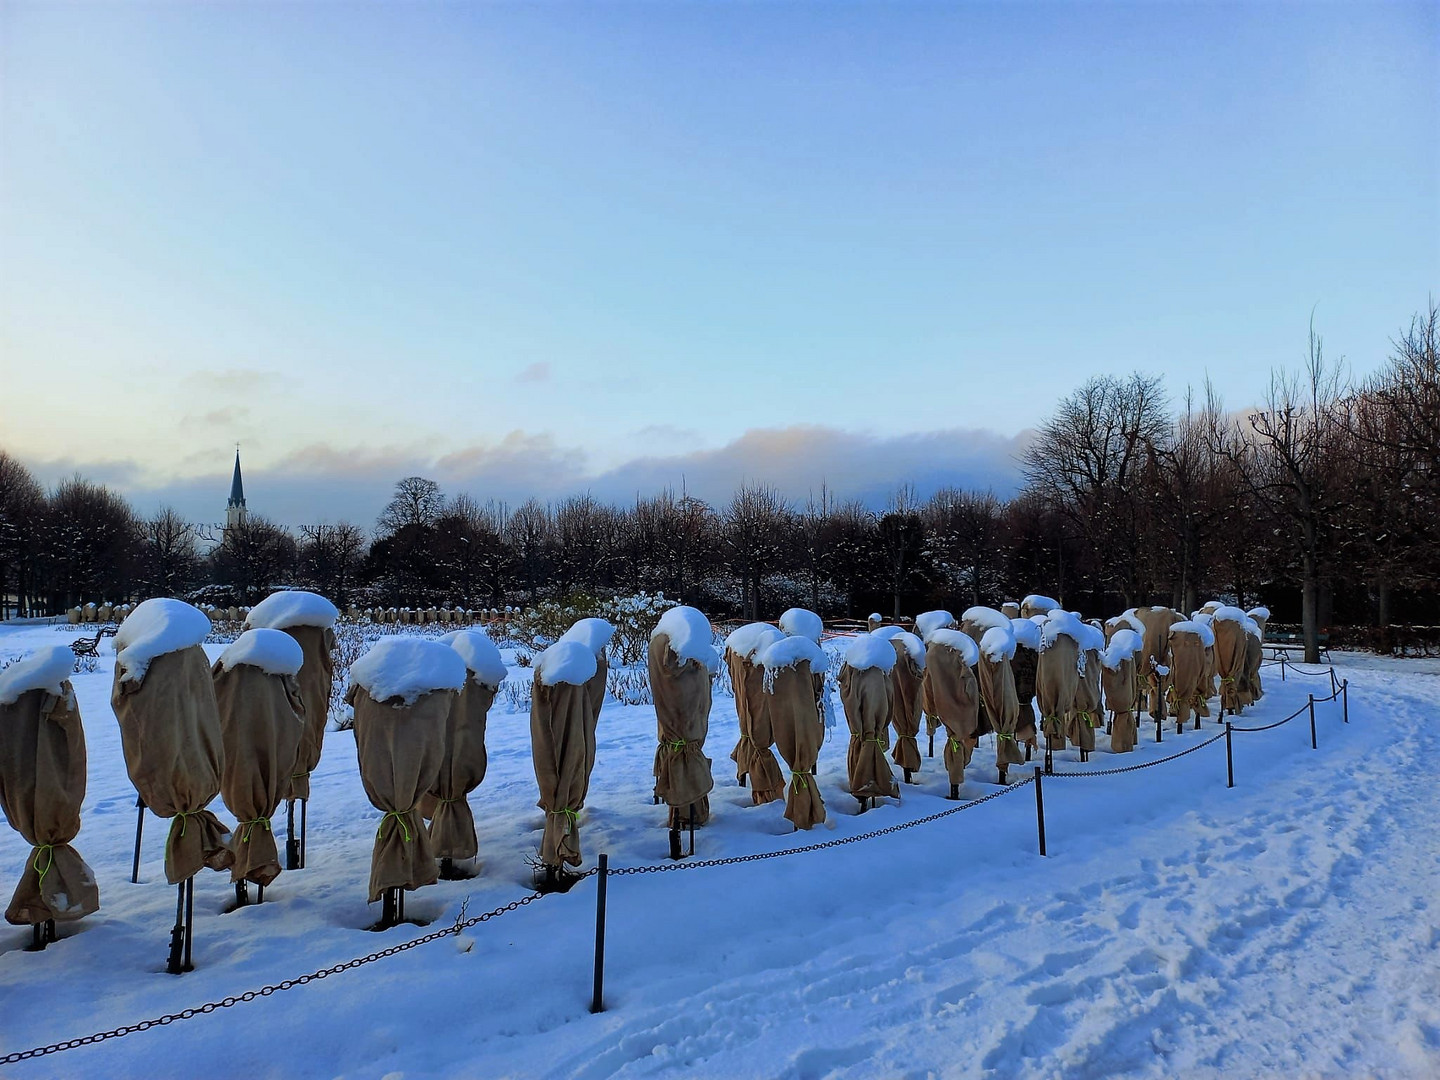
[(544, 247)]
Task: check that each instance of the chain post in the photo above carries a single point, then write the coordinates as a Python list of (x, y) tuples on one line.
[(1314, 745), (1345, 700), (596, 1002), (139, 829), (1229, 758), (1040, 809)]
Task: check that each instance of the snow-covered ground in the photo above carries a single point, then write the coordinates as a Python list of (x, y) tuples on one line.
[(1290, 926)]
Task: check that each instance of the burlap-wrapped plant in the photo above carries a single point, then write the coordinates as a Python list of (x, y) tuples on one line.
[(794, 680), (1155, 661), (310, 619), (595, 635), (907, 680), (681, 660), (754, 759), (559, 713), (463, 760), (402, 691), (1230, 657), (1117, 678), (42, 784), (997, 690), (950, 658), (1023, 667), (262, 720), (1057, 675), (1187, 668), (164, 699), (868, 698)]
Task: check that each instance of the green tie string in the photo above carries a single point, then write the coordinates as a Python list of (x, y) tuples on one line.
[(675, 746), (798, 776), (247, 827), (399, 816), (956, 746), (572, 816), (49, 852)]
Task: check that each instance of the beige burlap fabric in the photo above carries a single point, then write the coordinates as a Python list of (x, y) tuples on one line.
[(1022, 667), (955, 693), (1056, 680), (559, 716), (400, 748), (753, 755), (793, 704), (462, 768), (1087, 714), (906, 682), (170, 734), (262, 721), (997, 691), (867, 697), (316, 677), (681, 691), (1157, 622), (1230, 648), (1187, 671), (42, 784)]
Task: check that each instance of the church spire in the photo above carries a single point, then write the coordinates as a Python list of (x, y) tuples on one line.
[(235, 507)]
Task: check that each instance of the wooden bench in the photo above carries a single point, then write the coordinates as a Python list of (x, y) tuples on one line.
[(83, 646), (1287, 642)]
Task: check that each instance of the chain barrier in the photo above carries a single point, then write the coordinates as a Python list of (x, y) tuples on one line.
[(661, 868), (1269, 727), (1142, 765), (266, 991)]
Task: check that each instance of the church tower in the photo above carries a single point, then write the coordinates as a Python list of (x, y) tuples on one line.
[(235, 507)]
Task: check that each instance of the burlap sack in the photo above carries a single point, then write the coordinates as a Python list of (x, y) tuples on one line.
[(997, 691), (1157, 622), (1086, 715), (955, 693), (681, 692), (1250, 690), (170, 734), (1056, 678), (927, 703), (753, 755), (1230, 647), (1119, 688), (594, 702), (1022, 667), (793, 705), (262, 721), (559, 716), (42, 784), (906, 683), (400, 749), (867, 697), (1207, 682), (462, 768), (316, 677), (1187, 666)]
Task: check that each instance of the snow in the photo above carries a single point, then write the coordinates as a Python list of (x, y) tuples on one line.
[(154, 628), (888, 632), (1226, 613), (46, 669), (1259, 613), (1285, 927), (985, 617), (1124, 645), (1128, 620), (691, 637), (802, 622), (407, 667), (913, 645), (272, 651), (998, 643), (869, 651), (595, 633), (482, 658), (1027, 633), (293, 607), (1042, 604), (752, 638), (789, 651), (927, 622), (960, 642), (875, 616), (1199, 629), (1059, 623), (570, 662)]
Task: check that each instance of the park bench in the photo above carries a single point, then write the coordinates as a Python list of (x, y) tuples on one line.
[(84, 646), (1287, 641)]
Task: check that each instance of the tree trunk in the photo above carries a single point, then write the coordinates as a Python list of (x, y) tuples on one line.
[(1310, 611), (1386, 640)]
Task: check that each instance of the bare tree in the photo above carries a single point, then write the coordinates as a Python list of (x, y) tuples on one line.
[(902, 540), (964, 543), (22, 502), (416, 503), (755, 529), (330, 557), (170, 561), (528, 534)]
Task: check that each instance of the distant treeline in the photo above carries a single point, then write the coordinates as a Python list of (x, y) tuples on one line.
[(1322, 503)]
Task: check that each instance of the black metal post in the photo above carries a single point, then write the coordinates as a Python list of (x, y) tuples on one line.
[(1314, 745), (596, 1004), (1040, 809), (1345, 700), (139, 828), (1158, 736), (292, 842), (692, 828), (304, 825), (177, 935), (932, 744), (189, 920), (1229, 759), (1282, 667)]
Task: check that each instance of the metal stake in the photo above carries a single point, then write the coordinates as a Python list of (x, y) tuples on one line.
[(596, 1004), (1345, 699), (1040, 809), (1314, 745), (292, 842), (304, 823), (139, 828), (1229, 759)]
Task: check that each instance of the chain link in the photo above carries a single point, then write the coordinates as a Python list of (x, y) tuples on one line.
[(1141, 765), (266, 991), (662, 868)]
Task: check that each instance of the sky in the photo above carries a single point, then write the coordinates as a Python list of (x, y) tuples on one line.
[(546, 248)]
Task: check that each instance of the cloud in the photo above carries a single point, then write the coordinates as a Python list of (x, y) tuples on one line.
[(534, 373), (320, 482)]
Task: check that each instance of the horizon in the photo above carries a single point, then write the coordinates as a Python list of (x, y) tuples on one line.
[(639, 247)]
